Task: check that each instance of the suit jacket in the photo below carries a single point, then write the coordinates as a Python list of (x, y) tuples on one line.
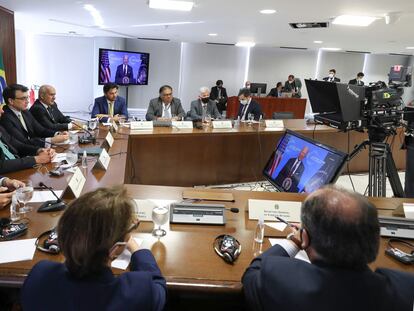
[(335, 79), (143, 288), (101, 107), (254, 108), (120, 74), (222, 101), (35, 132), (155, 109), (355, 82), (16, 146), (274, 281), (296, 86), (273, 92), (196, 112), (286, 170), (54, 119)]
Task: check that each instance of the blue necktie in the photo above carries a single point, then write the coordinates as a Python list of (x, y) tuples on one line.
[(6, 152)]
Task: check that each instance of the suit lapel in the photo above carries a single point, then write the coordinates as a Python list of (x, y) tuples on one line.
[(16, 121)]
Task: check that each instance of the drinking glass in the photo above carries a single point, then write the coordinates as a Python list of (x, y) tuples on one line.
[(24, 194), (160, 216), (208, 119), (250, 117), (73, 138), (71, 158), (14, 208)]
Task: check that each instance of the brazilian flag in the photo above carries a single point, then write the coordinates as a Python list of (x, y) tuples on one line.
[(2, 77)]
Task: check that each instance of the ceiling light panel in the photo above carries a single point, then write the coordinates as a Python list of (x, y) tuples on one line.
[(354, 20), (171, 5)]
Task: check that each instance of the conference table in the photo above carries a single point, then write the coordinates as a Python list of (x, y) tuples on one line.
[(185, 255)]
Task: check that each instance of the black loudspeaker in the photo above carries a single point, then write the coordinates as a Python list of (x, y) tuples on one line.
[(227, 247)]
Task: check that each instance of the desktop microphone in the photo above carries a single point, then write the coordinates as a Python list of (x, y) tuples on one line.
[(85, 140), (52, 205), (233, 209)]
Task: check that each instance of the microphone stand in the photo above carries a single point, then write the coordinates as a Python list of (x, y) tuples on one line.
[(51, 205)]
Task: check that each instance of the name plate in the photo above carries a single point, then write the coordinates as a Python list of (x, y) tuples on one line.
[(109, 139), (103, 160), (222, 124), (182, 124), (274, 123), (269, 210), (141, 125), (115, 126), (143, 208), (76, 183)]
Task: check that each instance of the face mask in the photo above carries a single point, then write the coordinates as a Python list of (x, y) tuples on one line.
[(291, 82), (331, 75), (248, 86), (205, 100), (243, 101), (219, 86)]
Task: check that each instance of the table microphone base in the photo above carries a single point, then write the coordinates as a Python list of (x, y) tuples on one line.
[(52, 206)]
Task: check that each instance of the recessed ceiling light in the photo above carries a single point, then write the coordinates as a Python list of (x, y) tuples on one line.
[(331, 49), (410, 47), (212, 34), (171, 5), (246, 44), (318, 41), (354, 20), (268, 11)]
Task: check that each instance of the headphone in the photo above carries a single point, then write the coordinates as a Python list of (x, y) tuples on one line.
[(398, 254), (227, 247), (50, 244)]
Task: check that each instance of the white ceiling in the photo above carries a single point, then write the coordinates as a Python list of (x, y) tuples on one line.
[(232, 20)]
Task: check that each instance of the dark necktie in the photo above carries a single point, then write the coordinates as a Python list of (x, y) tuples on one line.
[(50, 111)]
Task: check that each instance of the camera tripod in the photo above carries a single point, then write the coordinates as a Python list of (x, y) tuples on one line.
[(381, 163)]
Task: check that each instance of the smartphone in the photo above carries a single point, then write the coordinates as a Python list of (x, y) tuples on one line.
[(12, 230)]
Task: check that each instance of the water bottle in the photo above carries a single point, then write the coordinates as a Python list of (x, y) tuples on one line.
[(237, 122), (259, 233), (84, 160)]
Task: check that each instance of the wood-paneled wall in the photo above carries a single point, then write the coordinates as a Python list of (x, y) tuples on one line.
[(8, 44)]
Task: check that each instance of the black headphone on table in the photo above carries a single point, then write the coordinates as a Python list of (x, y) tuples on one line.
[(227, 247), (50, 244), (398, 254)]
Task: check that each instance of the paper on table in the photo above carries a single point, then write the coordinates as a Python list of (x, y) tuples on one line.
[(300, 255), (45, 195), (59, 157), (19, 250), (276, 225), (123, 260), (408, 210)]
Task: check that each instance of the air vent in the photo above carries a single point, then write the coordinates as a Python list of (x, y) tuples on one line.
[(398, 54), (292, 48), (225, 44), (154, 39), (358, 52), (309, 25)]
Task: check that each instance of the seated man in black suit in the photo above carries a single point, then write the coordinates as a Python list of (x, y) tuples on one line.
[(219, 95), (358, 80), (46, 112), (340, 234), (290, 175), (276, 91), (124, 72), (332, 76), (248, 105), (21, 124)]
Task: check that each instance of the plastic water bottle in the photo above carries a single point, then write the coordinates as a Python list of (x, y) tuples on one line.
[(259, 233), (84, 160)]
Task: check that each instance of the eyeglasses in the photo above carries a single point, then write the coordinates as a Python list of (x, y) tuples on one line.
[(165, 95), (24, 98)]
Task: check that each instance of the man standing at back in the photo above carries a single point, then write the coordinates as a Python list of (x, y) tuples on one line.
[(110, 106), (340, 234), (219, 95)]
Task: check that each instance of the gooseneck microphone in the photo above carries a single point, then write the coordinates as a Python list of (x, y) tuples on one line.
[(52, 205), (85, 140)]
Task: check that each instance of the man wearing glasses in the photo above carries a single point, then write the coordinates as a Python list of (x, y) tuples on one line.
[(165, 107)]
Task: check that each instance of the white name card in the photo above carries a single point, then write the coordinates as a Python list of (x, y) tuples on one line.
[(109, 139), (141, 125), (76, 183), (143, 208), (222, 124), (408, 210), (103, 160), (115, 126), (182, 124), (269, 210), (274, 123)]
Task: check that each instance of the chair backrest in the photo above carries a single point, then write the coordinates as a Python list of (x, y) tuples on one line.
[(283, 115)]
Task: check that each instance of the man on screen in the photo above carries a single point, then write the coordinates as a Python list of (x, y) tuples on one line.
[(290, 175), (124, 73)]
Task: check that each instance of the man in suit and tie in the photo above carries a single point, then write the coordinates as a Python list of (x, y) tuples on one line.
[(110, 106), (20, 123), (124, 72), (339, 232), (332, 76), (276, 91), (290, 175), (165, 107), (248, 105), (204, 106), (358, 81), (46, 111), (219, 95)]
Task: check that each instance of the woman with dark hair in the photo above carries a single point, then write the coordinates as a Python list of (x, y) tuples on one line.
[(93, 231)]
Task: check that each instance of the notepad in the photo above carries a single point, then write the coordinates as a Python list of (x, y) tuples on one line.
[(45, 195), (300, 255), (20, 250), (123, 260)]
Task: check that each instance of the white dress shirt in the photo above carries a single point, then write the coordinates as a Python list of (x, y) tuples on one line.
[(166, 107)]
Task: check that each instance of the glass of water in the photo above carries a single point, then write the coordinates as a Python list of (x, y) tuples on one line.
[(71, 158), (160, 216), (250, 117), (73, 138), (24, 194)]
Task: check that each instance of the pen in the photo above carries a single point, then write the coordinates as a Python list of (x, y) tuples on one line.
[(288, 223)]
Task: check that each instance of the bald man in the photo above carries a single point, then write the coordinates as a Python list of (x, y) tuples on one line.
[(339, 232), (46, 112)]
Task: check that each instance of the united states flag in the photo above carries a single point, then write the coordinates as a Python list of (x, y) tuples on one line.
[(104, 70)]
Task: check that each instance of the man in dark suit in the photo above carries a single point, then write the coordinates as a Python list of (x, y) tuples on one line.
[(248, 105), (340, 234), (219, 95), (204, 106), (20, 123), (290, 175), (358, 81), (332, 76), (124, 72), (165, 107), (276, 91), (110, 106), (46, 112)]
